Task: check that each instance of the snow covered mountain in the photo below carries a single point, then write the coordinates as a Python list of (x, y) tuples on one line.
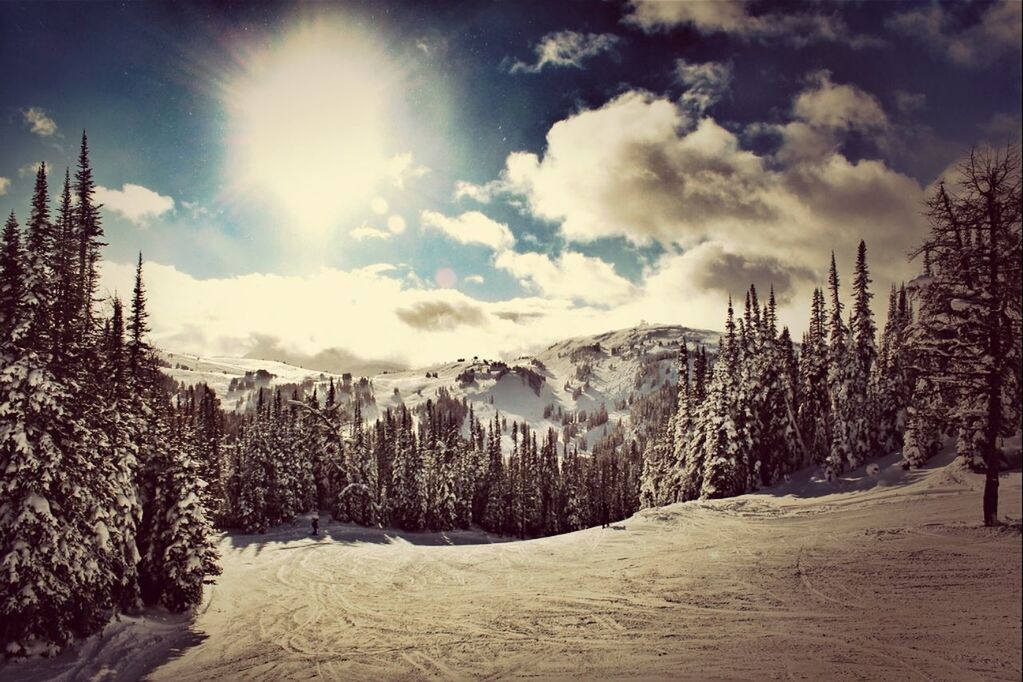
[(581, 377)]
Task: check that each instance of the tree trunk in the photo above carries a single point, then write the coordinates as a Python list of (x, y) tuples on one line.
[(992, 456), (991, 494)]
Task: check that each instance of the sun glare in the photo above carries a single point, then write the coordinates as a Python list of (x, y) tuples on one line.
[(307, 119)]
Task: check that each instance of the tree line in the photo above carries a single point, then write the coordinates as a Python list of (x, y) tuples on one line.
[(947, 364), (100, 497), (434, 467)]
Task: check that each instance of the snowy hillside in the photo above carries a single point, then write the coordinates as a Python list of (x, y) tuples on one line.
[(579, 376), (874, 577)]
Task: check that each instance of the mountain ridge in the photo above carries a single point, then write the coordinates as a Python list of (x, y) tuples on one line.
[(571, 381)]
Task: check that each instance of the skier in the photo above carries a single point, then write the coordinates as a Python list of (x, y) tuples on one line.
[(316, 524)]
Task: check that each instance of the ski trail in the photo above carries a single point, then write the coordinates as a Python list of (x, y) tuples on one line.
[(889, 584)]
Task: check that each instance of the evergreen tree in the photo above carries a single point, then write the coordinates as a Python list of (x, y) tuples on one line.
[(966, 339), (681, 428), (38, 262), (47, 555), (840, 384), (12, 280), (65, 300), (889, 381), (406, 476), (88, 231), (119, 465), (190, 556), (724, 439), (863, 423)]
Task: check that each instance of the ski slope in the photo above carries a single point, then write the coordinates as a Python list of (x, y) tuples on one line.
[(876, 577)]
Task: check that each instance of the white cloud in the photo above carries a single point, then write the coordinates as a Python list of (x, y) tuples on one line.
[(570, 276), (231, 316), (402, 167), (135, 202), (706, 83), (29, 170), (658, 177), (473, 279), (733, 17), (519, 167), (196, 209), (471, 227), (838, 106), (39, 122), (365, 232), (566, 49), (996, 32), (479, 193), (824, 113), (5, 184)]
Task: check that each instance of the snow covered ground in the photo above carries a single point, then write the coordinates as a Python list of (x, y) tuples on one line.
[(876, 577)]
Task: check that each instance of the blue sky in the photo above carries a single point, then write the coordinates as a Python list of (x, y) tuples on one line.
[(412, 181)]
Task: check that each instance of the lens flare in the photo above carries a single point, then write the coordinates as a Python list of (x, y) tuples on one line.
[(445, 278)]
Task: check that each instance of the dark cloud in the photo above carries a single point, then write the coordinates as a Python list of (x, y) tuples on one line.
[(730, 272), (334, 360), (516, 316), (441, 316)]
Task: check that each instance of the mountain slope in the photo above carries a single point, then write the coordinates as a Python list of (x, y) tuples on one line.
[(581, 374)]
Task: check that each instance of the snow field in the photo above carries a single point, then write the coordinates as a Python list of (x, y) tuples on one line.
[(887, 576)]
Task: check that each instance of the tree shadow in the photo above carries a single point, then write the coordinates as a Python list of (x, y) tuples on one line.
[(181, 644), (298, 536), (883, 472)]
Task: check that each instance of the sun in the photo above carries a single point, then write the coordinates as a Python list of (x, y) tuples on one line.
[(307, 123)]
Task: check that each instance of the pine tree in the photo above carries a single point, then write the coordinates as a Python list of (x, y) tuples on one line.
[(179, 553), (65, 300), (681, 428), (12, 280), (815, 405), (722, 423), (253, 478), (39, 261), (840, 383), (549, 478), (45, 548), (966, 339), (88, 231), (190, 556), (889, 382), (406, 476), (863, 422), (496, 479), (119, 465), (724, 461), (795, 448)]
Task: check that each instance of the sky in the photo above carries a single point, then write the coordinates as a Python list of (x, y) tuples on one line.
[(410, 182)]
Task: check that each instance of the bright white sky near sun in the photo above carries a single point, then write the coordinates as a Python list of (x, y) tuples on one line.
[(417, 188)]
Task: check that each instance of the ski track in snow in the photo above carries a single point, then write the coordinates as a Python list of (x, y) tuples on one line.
[(888, 579)]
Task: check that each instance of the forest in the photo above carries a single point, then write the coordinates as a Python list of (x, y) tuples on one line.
[(115, 478)]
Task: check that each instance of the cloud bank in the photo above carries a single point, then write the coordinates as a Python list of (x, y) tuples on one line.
[(735, 18)]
